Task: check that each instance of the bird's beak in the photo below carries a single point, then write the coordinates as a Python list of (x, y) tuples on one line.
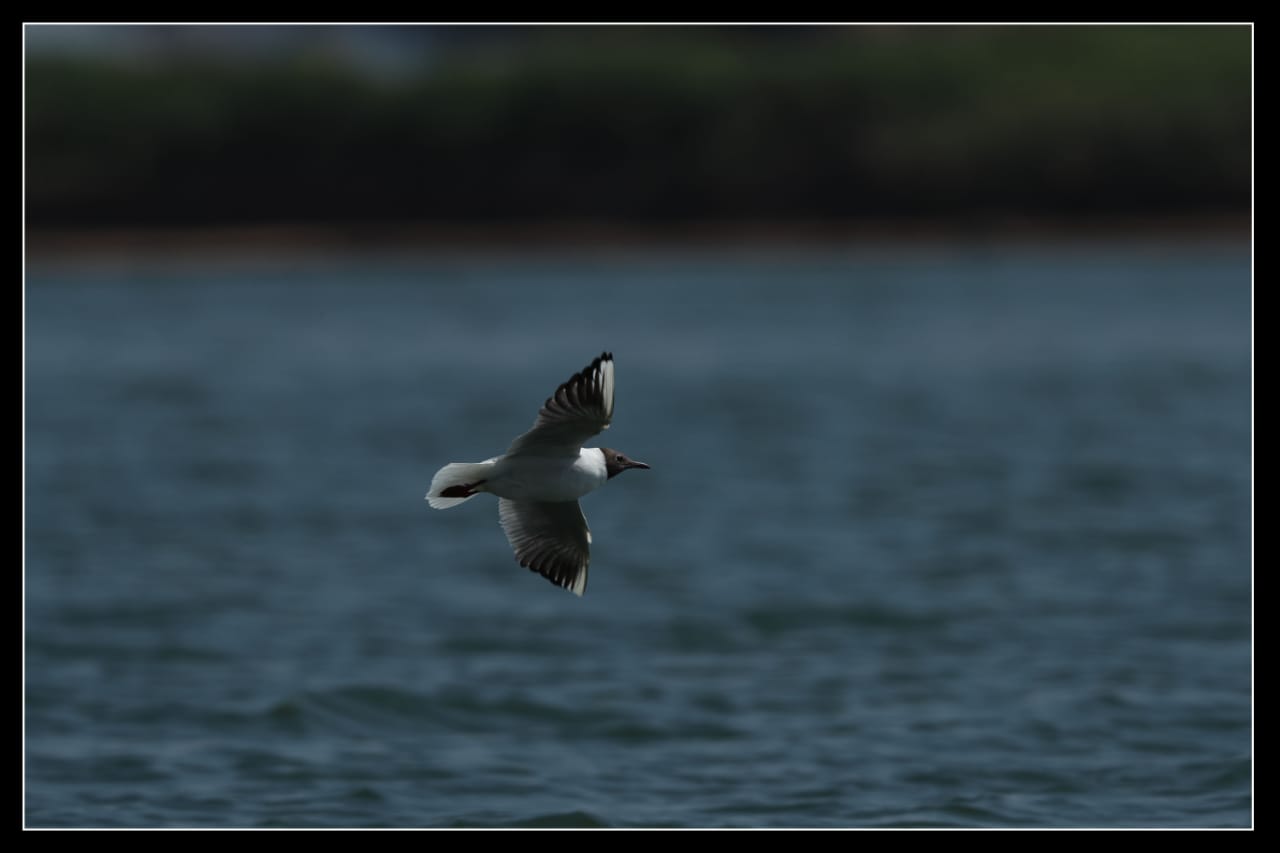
[(635, 464)]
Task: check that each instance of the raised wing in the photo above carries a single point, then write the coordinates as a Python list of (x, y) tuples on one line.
[(580, 408), (551, 539)]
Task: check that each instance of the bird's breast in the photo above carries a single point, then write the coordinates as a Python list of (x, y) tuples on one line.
[(538, 478)]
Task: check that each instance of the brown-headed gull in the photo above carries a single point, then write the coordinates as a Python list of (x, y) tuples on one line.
[(543, 473)]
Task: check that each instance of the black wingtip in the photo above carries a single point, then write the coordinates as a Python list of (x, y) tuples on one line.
[(591, 368), (560, 576), (581, 375)]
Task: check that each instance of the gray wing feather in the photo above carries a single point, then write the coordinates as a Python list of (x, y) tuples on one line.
[(550, 538), (580, 408)]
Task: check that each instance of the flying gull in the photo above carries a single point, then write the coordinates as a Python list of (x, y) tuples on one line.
[(543, 473)]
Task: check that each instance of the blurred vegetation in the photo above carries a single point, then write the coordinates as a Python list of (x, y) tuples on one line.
[(656, 124)]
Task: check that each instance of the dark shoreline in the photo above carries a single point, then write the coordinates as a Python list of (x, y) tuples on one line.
[(432, 238)]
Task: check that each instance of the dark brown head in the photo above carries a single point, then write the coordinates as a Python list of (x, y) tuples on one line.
[(615, 463)]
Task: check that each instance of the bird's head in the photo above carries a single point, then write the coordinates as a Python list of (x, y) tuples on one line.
[(615, 463)]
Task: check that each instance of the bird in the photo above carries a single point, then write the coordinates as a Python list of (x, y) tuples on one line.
[(543, 473)]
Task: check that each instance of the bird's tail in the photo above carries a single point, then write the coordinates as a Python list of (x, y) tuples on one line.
[(458, 482)]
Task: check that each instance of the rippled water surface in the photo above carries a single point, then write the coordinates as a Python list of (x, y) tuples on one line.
[(934, 539)]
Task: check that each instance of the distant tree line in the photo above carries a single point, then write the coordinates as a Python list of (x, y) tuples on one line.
[(648, 125)]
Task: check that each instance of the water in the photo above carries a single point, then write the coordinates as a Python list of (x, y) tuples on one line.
[(936, 539)]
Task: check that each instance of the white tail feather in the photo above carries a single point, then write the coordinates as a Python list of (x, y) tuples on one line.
[(457, 474)]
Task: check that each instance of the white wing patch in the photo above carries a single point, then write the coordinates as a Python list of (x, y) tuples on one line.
[(606, 390)]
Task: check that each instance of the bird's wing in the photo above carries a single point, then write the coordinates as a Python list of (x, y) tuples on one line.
[(580, 408), (550, 538)]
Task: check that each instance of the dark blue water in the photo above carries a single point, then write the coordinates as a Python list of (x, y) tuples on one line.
[(930, 539)]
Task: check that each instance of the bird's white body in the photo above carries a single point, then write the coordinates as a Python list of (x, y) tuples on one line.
[(547, 478), (531, 478)]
